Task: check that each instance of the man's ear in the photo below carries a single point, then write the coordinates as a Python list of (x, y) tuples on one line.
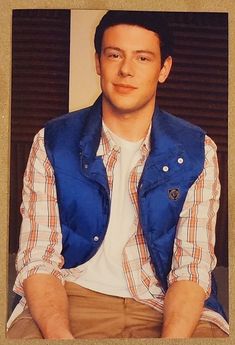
[(97, 63), (165, 69)]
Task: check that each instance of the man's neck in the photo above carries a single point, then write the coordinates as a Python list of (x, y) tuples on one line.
[(129, 126)]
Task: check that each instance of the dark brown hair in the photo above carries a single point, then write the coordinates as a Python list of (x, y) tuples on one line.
[(150, 20)]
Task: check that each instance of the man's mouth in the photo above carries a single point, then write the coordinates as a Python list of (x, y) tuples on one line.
[(124, 88)]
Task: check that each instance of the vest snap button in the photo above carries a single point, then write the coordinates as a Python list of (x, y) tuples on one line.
[(96, 238), (165, 168), (180, 160), (86, 166)]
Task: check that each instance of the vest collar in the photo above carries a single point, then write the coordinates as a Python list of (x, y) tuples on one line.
[(164, 153), (91, 132)]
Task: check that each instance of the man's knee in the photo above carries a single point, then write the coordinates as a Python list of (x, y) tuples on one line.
[(24, 327), (207, 329)]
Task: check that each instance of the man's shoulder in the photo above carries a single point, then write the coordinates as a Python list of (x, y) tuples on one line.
[(170, 131), (69, 119), (75, 121), (63, 133)]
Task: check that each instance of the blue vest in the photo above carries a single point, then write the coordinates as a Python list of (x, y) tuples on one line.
[(175, 161)]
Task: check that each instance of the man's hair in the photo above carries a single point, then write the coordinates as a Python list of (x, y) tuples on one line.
[(150, 20)]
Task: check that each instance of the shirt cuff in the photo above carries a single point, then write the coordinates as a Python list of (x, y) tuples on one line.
[(180, 274), (31, 269)]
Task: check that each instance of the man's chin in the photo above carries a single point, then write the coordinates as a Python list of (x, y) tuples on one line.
[(123, 108)]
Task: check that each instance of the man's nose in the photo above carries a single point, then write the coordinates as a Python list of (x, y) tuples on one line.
[(126, 67)]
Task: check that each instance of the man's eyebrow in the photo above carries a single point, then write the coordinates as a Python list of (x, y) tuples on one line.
[(111, 47), (142, 51), (139, 51)]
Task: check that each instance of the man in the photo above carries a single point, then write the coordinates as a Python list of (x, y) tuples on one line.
[(119, 207)]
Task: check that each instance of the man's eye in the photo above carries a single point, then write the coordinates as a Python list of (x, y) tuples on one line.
[(114, 56), (143, 58)]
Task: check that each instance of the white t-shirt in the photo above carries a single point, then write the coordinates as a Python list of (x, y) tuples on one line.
[(104, 272)]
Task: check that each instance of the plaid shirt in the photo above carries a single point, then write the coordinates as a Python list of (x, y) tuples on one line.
[(193, 258)]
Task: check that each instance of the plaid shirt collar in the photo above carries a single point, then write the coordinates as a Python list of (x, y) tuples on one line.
[(107, 144)]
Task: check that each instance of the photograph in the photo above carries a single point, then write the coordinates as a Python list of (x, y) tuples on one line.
[(116, 206)]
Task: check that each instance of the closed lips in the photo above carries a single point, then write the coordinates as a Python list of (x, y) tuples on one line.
[(125, 86)]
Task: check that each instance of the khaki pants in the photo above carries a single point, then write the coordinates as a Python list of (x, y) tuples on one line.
[(98, 316)]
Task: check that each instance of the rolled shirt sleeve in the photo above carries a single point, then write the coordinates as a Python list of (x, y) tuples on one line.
[(40, 242), (194, 257)]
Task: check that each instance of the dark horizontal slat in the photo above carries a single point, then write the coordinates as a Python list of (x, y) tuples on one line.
[(192, 106), (24, 27), (42, 74), (30, 52), (55, 100), (39, 93), (195, 77), (197, 35), (23, 78), (28, 123), (39, 17), (200, 66), (195, 19), (191, 114), (52, 110), (202, 30), (190, 55), (191, 91), (47, 39), (213, 45), (52, 65)]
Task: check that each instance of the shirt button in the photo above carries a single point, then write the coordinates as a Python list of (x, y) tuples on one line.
[(86, 166), (180, 160), (165, 168), (96, 238)]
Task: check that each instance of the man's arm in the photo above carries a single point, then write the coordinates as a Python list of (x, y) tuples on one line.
[(39, 258), (193, 257), (48, 304), (182, 309)]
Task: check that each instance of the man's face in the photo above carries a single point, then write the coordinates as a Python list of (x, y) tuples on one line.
[(130, 69)]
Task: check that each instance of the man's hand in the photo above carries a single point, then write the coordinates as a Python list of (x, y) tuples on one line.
[(48, 305), (183, 306)]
